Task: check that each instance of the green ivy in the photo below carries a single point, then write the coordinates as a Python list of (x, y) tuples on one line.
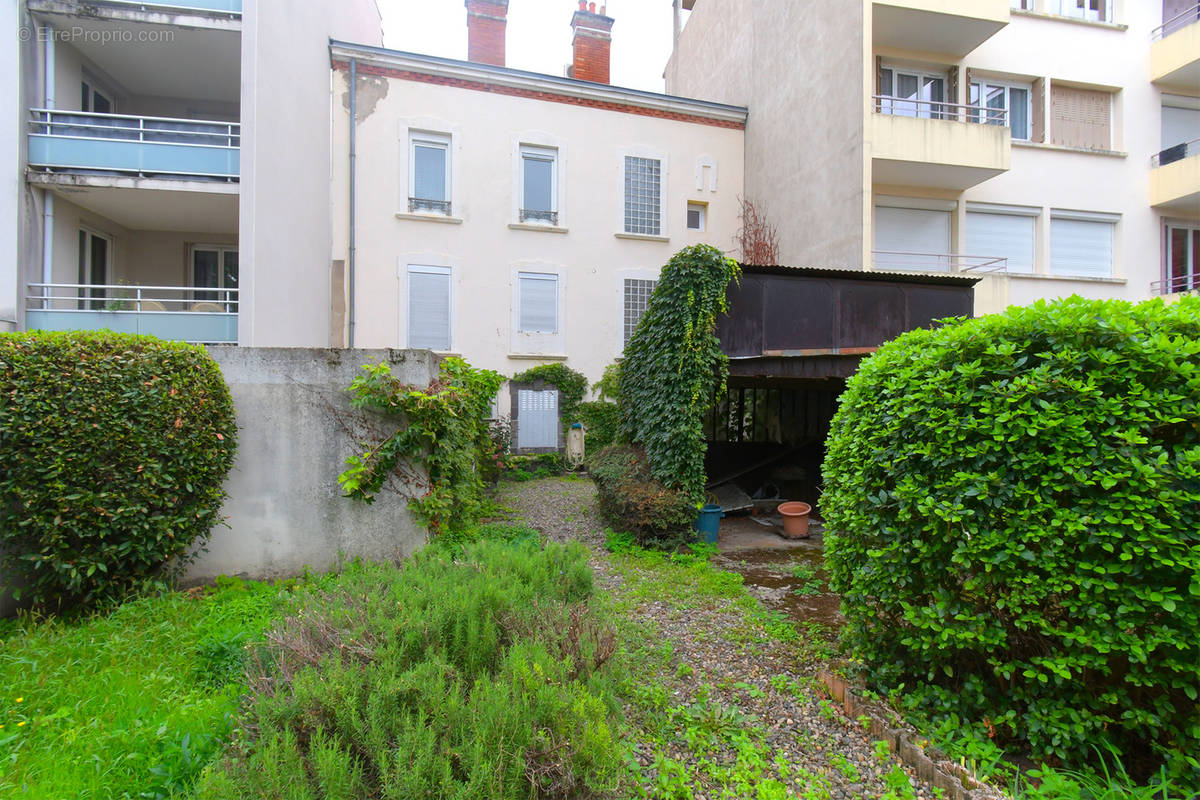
[(1014, 504), (673, 365), (113, 453), (446, 428)]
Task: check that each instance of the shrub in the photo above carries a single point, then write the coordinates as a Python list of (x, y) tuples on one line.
[(114, 449), (632, 500), (674, 365), (480, 676), (1016, 508), (603, 422), (446, 426)]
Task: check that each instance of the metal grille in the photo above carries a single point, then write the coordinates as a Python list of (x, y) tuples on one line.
[(537, 419), (637, 298), (643, 192)]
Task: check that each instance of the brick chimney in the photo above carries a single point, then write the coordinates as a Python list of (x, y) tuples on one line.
[(592, 43), (487, 23)]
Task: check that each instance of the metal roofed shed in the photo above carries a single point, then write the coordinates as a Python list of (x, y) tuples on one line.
[(793, 335)]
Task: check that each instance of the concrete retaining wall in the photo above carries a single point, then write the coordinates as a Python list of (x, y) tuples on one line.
[(295, 429)]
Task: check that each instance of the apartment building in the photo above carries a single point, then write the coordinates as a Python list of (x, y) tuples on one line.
[(1050, 146), (150, 167), (512, 217)]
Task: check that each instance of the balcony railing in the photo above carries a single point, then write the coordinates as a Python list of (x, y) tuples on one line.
[(219, 6), (1177, 23), (1176, 284), (1177, 153), (935, 109), (145, 146), (937, 262), (532, 215), (204, 315), (417, 204)]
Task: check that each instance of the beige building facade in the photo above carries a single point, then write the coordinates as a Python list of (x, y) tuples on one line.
[(1050, 146)]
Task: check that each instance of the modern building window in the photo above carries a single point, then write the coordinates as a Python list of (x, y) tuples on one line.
[(1003, 104), (912, 93), (94, 261), (539, 184), (912, 238), (537, 302), (643, 196), (1082, 244), (637, 299), (429, 173), (697, 216), (1183, 258), (429, 307), (94, 100), (1011, 234), (1094, 10), (1180, 128), (1080, 117), (216, 267)]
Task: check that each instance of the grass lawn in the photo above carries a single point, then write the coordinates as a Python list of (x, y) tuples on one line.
[(130, 704)]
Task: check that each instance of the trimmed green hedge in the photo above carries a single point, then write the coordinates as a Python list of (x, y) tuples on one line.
[(634, 502), (1016, 508), (114, 449)]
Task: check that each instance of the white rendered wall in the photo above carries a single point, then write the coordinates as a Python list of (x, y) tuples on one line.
[(483, 252)]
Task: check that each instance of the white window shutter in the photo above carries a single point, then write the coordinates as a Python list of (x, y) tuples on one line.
[(429, 309), (1002, 236), (538, 301), (1081, 247)]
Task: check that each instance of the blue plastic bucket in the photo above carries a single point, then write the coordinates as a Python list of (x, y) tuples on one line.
[(708, 522)]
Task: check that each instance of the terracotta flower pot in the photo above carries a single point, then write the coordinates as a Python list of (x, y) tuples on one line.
[(795, 519)]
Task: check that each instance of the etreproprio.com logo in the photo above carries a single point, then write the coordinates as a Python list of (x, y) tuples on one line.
[(79, 35)]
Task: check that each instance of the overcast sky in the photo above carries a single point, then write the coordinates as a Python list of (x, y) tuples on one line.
[(539, 35)]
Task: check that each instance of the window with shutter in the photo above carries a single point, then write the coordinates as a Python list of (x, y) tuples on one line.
[(1082, 244), (429, 307), (1081, 117), (539, 184), (997, 234), (537, 300)]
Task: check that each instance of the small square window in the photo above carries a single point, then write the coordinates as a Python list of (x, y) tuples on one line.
[(697, 216), (429, 173)]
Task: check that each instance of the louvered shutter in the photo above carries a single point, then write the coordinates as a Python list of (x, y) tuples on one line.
[(1081, 118)]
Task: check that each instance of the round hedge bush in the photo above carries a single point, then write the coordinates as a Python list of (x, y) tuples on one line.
[(114, 449), (1015, 508)]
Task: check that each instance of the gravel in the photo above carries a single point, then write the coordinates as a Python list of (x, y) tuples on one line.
[(800, 725)]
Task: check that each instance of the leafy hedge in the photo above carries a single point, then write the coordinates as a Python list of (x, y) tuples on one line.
[(477, 675), (1016, 501), (673, 366), (114, 449), (603, 423), (633, 501)]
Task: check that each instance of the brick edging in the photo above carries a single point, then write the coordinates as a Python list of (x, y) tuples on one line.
[(953, 779)]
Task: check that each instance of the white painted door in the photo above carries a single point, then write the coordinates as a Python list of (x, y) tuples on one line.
[(537, 418)]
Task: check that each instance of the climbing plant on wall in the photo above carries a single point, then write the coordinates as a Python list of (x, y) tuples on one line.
[(673, 365), (446, 428)]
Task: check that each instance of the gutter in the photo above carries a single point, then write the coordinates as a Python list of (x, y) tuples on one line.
[(353, 196)]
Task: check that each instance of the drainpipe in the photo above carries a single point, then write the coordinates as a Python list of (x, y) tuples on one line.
[(353, 193), (47, 195)]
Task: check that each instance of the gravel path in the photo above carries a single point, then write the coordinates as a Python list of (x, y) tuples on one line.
[(768, 686)]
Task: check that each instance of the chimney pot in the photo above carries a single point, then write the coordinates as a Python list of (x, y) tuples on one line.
[(487, 23), (592, 43)]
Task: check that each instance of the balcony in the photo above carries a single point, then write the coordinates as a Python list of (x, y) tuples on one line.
[(154, 147), (953, 263), (937, 145), (183, 313), (1175, 178), (1175, 51), (950, 27)]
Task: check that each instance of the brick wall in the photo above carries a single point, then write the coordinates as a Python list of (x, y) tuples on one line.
[(592, 44), (486, 28)]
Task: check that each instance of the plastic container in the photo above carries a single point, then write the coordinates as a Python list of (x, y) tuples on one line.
[(795, 519), (709, 522)]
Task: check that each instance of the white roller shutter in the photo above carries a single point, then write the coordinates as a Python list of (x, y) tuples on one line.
[(991, 235), (538, 303), (429, 307), (906, 238), (1081, 247)]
